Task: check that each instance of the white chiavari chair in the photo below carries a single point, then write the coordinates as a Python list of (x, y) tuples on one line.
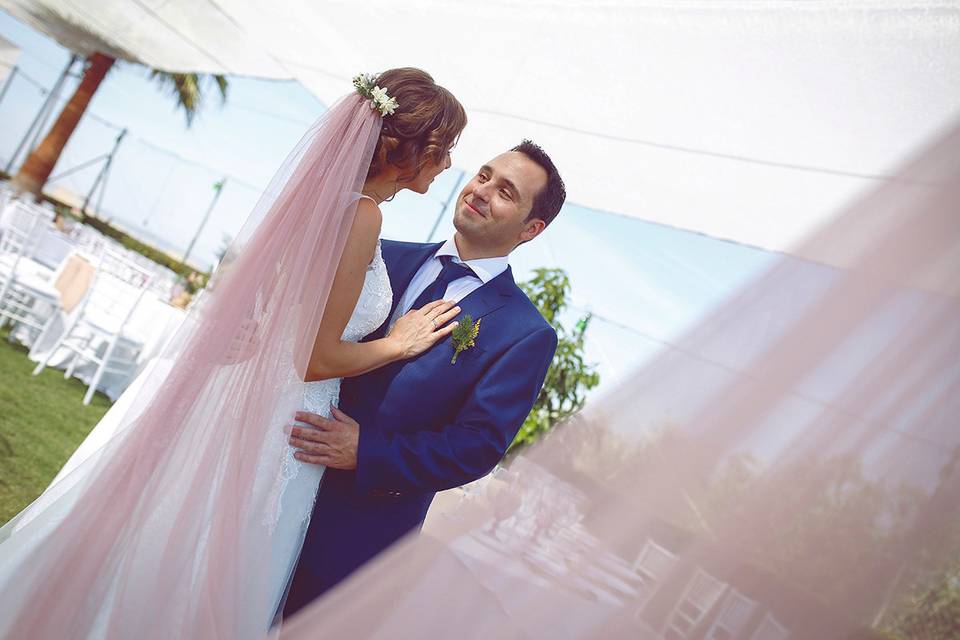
[(7, 194), (23, 281), (88, 238), (700, 595), (735, 613), (98, 330), (770, 629)]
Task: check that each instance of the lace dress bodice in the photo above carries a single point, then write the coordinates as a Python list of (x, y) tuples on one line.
[(372, 309), (299, 481)]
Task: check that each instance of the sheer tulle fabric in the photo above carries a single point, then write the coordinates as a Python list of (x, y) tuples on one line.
[(791, 468), (167, 530)]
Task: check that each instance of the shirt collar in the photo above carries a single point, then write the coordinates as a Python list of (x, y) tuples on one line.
[(486, 268)]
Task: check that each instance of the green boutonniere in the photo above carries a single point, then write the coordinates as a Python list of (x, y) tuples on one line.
[(463, 336)]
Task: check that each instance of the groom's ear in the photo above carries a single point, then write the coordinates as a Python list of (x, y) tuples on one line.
[(531, 229)]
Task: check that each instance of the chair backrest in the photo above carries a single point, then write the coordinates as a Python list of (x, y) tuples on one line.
[(701, 593), (770, 629), (164, 282), (88, 238), (43, 210), (652, 566), (6, 195), (734, 615), (163, 278), (21, 227), (117, 287), (92, 241)]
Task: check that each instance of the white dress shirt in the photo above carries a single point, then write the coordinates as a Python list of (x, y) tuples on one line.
[(486, 269)]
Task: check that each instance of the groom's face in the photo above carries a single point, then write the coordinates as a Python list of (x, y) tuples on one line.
[(492, 209)]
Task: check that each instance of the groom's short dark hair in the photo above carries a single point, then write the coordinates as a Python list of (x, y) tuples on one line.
[(547, 203)]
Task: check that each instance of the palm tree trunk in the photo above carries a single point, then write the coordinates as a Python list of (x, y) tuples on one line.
[(36, 170)]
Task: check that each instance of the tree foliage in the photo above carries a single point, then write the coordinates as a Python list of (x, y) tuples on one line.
[(190, 90), (187, 89), (930, 613), (569, 376)]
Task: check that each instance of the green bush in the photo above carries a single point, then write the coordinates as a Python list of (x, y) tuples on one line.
[(569, 377)]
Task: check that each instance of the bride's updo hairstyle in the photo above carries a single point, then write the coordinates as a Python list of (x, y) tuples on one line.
[(424, 126)]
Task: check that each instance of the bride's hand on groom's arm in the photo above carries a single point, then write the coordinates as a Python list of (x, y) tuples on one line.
[(331, 442), (419, 329)]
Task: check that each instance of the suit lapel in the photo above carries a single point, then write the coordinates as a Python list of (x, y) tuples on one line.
[(484, 300), (488, 297), (479, 303)]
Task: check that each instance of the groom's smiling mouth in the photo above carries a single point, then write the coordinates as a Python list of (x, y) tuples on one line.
[(474, 209)]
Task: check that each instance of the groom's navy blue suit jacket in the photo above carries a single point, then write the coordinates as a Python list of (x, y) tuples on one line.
[(425, 425)]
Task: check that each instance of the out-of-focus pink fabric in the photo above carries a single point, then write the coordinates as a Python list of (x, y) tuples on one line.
[(788, 469), (167, 531)]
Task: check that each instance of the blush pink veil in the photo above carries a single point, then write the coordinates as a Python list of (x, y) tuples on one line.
[(168, 529), (788, 469)]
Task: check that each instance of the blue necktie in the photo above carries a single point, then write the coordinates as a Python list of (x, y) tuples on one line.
[(438, 288)]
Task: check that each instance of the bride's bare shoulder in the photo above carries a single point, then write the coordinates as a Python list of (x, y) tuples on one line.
[(366, 228), (367, 208)]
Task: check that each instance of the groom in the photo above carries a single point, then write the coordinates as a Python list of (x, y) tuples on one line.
[(415, 427)]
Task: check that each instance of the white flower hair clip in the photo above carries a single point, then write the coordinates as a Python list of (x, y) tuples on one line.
[(366, 86)]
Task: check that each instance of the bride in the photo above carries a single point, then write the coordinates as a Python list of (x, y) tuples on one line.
[(189, 519)]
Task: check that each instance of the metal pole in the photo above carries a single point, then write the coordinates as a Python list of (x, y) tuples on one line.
[(102, 174), (82, 165), (218, 187), (443, 210), (8, 81), (103, 188), (47, 105), (163, 189)]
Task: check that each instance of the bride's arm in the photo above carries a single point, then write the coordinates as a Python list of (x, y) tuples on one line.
[(332, 357)]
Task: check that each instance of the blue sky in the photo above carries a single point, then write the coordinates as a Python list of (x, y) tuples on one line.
[(647, 283)]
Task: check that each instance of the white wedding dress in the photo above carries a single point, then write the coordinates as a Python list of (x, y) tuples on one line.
[(301, 480), (296, 494), (171, 526)]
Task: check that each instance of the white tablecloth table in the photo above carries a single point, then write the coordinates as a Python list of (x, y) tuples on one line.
[(154, 321)]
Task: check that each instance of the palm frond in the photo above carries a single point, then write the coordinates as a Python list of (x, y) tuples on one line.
[(190, 89)]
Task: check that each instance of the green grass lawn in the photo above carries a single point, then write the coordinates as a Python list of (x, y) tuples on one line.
[(42, 421)]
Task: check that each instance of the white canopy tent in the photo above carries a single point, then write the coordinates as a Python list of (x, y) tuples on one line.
[(9, 53), (749, 121)]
